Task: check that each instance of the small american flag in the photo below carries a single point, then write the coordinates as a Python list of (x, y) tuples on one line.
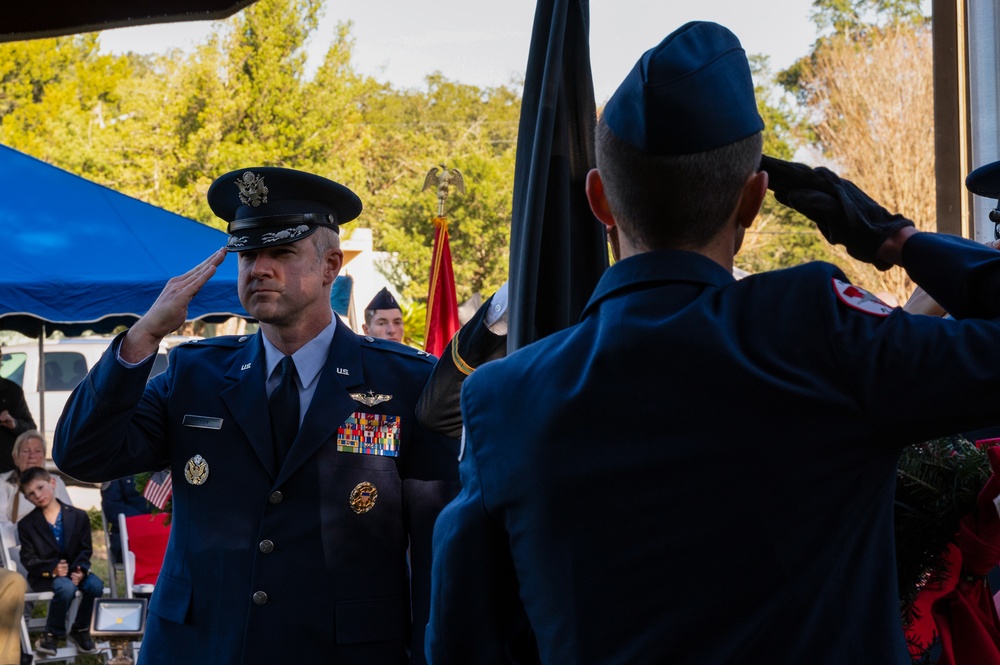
[(158, 488)]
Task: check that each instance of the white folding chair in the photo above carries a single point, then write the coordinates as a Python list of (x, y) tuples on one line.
[(115, 567), (128, 563), (128, 559)]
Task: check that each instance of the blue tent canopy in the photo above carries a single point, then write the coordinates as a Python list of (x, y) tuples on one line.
[(79, 256)]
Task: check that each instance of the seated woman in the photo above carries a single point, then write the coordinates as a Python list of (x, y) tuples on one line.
[(30, 450)]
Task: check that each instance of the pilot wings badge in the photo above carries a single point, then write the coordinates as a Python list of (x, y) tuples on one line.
[(370, 398)]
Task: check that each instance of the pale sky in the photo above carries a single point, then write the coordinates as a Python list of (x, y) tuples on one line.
[(486, 43)]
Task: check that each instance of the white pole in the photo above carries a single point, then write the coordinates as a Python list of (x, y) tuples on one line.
[(41, 383)]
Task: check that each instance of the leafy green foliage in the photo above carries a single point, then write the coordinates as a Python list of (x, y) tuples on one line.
[(858, 16), (780, 237), (414, 324), (937, 484), (94, 515)]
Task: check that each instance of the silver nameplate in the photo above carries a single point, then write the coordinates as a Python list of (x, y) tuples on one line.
[(204, 422)]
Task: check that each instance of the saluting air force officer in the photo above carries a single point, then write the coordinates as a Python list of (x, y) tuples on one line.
[(300, 476), (702, 470)]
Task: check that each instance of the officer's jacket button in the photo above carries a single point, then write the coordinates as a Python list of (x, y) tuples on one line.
[(266, 546), (276, 497), (259, 598)]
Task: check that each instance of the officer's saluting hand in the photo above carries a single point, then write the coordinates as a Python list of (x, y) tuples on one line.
[(169, 311)]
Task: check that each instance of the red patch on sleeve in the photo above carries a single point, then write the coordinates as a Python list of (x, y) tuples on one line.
[(859, 299)]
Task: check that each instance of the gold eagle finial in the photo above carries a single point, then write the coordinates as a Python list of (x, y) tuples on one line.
[(444, 178)]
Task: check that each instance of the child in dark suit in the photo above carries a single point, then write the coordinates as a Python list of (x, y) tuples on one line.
[(55, 549)]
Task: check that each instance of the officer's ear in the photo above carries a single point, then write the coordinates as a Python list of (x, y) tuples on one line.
[(602, 211), (333, 261), (751, 199), (598, 201)]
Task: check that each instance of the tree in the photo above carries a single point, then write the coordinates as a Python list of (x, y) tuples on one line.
[(780, 237), (867, 93), (55, 94), (464, 127), (877, 129), (162, 128)]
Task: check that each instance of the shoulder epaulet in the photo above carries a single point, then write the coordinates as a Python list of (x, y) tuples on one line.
[(395, 347), (225, 341)]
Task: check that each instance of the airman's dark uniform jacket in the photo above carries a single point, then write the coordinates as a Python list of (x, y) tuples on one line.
[(703, 470)]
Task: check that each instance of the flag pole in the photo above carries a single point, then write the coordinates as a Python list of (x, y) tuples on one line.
[(442, 303)]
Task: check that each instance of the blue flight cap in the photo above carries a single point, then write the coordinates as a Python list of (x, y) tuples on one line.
[(269, 205), (691, 93), (383, 300)]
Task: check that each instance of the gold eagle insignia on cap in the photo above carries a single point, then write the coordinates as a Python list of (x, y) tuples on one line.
[(253, 191), (370, 398)]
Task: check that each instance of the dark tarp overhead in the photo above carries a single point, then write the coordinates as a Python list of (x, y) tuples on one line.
[(52, 18), (79, 256), (558, 250)]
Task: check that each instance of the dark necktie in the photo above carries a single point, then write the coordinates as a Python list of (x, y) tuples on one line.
[(284, 407)]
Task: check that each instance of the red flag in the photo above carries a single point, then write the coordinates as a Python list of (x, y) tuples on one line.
[(158, 488), (442, 305)]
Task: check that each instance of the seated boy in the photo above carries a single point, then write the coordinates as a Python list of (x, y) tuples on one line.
[(55, 550)]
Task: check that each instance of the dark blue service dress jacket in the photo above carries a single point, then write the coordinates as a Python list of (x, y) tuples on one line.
[(306, 563), (702, 470)]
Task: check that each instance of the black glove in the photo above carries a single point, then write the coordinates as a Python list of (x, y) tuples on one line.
[(844, 214)]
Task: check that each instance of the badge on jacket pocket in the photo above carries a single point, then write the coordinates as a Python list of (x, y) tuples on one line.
[(369, 434)]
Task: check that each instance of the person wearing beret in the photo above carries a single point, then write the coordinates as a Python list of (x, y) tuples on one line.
[(702, 470), (304, 490), (383, 317)]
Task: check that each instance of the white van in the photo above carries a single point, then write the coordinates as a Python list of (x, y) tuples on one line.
[(67, 361)]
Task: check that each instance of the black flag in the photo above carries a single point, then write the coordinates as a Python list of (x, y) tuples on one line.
[(558, 249)]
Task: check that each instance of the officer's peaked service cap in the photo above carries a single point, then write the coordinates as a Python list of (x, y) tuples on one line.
[(269, 205), (690, 93)]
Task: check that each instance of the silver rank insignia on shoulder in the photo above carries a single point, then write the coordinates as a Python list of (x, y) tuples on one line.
[(363, 497), (196, 470), (370, 398)]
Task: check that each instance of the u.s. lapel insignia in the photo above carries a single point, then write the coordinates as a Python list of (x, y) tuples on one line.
[(363, 497), (196, 470), (370, 398)]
